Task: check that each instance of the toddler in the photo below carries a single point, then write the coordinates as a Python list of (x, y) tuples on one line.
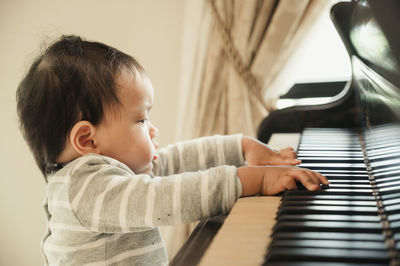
[(84, 112)]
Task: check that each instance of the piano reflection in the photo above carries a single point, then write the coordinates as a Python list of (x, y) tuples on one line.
[(352, 138)]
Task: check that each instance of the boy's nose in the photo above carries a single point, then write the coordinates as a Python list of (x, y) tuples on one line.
[(153, 134), (153, 131)]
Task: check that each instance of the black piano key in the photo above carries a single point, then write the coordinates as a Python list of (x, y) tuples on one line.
[(384, 164), (334, 166), (350, 236), (393, 201), (323, 135), (344, 176), (293, 195), (308, 221), (322, 144), (395, 226), (346, 210), (337, 244), (348, 181), (336, 132), (380, 179), (338, 141), (388, 184), (329, 217), (396, 237), (318, 263), (350, 186), (393, 217), (389, 150), (383, 157), (385, 170), (309, 160), (358, 192), (322, 255), (390, 196), (327, 202), (311, 153), (317, 148), (331, 226), (347, 191), (380, 145), (389, 173), (315, 132), (392, 209), (341, 187), (349, 172), (389, 190), (332, 136), (323, 140), (333, 139)]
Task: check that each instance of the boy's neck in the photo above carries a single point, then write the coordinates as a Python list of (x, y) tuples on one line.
[(68, 154)]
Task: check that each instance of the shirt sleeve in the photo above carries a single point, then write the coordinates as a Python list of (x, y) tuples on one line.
[(200, 154), (107, 197)]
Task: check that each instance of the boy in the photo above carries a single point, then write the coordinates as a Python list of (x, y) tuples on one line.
[(84, 111)]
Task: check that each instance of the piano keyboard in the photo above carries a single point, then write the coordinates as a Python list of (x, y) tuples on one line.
[(357, 218)]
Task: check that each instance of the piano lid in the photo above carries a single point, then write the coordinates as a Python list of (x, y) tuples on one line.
[(371, 34)]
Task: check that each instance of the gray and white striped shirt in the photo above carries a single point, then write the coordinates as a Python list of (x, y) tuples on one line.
[(101, 213)]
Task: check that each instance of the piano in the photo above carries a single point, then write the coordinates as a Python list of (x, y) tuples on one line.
[(353, 138)]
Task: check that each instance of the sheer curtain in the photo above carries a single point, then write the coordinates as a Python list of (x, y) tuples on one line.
[(242, 45), (232, 52)]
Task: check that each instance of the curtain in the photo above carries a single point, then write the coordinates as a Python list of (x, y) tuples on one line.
[(233, 50), (247, 44)]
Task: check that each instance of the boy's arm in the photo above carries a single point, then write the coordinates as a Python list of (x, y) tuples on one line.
[(199, 154), (107, 197)]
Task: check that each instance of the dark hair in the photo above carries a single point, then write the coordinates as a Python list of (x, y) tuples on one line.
[(72, 80)]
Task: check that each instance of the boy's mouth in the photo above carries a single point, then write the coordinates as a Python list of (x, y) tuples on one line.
[(155, 144)]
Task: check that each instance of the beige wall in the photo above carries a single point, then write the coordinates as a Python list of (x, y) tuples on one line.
[(149, 30)]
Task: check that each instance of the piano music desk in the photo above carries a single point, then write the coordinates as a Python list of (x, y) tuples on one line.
[(244, 236)]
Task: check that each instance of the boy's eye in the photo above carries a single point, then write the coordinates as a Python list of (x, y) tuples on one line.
[(142, 121)]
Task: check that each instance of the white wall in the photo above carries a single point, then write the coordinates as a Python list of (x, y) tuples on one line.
[(149, 30)]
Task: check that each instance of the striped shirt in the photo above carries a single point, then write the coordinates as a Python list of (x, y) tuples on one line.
[(101, 213)]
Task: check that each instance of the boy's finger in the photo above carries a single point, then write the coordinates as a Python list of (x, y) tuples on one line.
[(322, 178), (287, 149), (292, 161), (290, 184), (288, 161), (306, 180), (312, 177), (290, 155)]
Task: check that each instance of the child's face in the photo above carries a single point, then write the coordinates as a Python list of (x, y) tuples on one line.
[(128, 135)]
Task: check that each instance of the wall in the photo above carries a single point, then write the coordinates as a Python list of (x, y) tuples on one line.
[(149, 30)]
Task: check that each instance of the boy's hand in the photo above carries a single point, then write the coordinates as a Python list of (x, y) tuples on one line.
[(270, 180), (277, 179), (258, 153)]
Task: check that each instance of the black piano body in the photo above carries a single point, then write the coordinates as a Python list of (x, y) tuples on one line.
[(348, 223), (355, 141), (371, 36)]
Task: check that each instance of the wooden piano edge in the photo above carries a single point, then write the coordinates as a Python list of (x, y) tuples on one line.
[(245, 234), (242, 237), (241, 240), (198, 242)]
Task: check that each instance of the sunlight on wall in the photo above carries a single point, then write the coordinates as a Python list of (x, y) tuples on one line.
[(320, 57)]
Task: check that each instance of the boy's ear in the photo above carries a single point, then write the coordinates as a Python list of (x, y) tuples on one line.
[(82, 138)]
